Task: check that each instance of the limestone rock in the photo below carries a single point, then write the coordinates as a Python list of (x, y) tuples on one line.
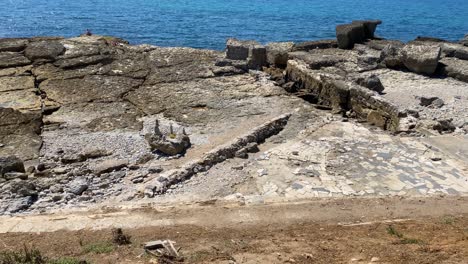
[(257, 57), (349, 34), (16, 83), (81, 61), (20, 204), (13, 44), (11, 164), (356, 32), (391, 56), (109, 166), (277, 53), (376, 118), (421, 59), (372, 82), (77, 187), (12, 59), (44, 50), (237, 49), (19, 132), (170, 144), (317, 44), (252, 51), (369, 27), (431, 101), (455, 68)]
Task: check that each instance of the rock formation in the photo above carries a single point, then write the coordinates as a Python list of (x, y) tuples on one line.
[(171, 143), (355, 32), (77, 115)]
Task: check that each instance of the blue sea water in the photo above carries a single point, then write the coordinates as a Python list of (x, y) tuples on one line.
[(208, 23)]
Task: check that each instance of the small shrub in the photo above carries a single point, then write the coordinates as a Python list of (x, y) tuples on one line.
[(119, 238), (392, 231), (99, 248), (402, 239), (25, 256), (449, 220)]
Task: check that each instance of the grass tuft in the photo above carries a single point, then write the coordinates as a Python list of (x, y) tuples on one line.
[(99, 248), (25, 256), (402, 239)]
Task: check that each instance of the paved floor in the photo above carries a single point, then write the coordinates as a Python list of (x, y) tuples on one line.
[(339, 159)]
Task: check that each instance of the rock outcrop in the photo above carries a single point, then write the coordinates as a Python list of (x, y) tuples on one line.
[(421, 58), (355, 32), (171, 143), (78, 114)]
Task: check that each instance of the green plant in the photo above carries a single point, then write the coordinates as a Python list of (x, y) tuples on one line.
[(25, 256), (405, 241), (98, 248), (66, 260), (402, 239), (449, 220), (392, 231)]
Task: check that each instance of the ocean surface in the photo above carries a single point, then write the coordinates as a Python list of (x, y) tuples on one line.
[(208, 23)]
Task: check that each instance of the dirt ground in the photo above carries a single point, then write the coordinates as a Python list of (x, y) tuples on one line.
[(388, 231)]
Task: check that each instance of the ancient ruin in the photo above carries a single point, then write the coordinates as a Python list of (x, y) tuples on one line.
[(93, 121)]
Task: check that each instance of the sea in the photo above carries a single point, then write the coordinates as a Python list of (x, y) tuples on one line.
[(208, 23)]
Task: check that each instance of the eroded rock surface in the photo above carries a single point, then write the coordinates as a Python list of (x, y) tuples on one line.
[(77, 114)]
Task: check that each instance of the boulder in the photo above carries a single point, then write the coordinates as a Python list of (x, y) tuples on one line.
[(428, 101), (454, 50), (372, 82), (237, 49), (257, 57), (349, 34), (13, 44), (421, 59), (109, 166), (391, 56), (369, 27), (252, 51), (44, 50), (277, 53), (169, 144), (11, 164), (20, 204), (356, 32), (78, 186), (455, 68)]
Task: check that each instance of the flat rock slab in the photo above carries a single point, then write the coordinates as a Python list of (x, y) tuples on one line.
[(109, 166), (12, 59), (16, 83), (45, 50), (13, 44), (24, 100), (90, 88), (455, 146), (97, 116)]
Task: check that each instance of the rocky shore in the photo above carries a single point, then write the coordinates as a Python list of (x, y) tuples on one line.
[(94, 120)]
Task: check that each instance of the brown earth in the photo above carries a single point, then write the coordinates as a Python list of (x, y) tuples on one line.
[(346, 231)]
